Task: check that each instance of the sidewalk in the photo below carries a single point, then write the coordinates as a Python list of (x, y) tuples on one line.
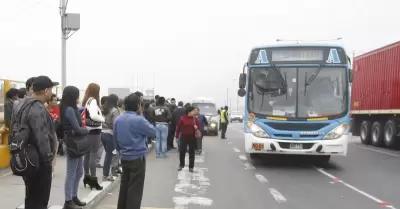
[(12, 189)]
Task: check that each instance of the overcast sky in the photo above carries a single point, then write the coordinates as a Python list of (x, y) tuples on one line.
[(192, 49)]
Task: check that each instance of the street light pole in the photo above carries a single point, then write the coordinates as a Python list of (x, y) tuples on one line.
[(64, 37)]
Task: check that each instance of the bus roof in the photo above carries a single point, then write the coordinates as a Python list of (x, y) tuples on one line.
[(296, 45)]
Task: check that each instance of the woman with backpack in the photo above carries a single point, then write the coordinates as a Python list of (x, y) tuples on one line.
[(92, 120), (111, 112), (71, 124)]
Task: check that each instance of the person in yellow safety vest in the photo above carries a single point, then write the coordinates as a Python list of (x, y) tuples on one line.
[(219, 113), (224, 122)]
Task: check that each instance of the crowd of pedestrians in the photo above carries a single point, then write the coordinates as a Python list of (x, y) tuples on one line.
[(42, 125)]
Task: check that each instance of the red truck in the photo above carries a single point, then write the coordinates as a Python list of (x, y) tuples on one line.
[(375, 96)]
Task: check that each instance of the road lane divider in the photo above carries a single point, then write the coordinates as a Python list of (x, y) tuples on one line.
[(242, 157), (261, 178), (277, 195), (369, 196), (191, 187), (236, 149)]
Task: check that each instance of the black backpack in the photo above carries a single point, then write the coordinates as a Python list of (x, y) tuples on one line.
[(24, 155)]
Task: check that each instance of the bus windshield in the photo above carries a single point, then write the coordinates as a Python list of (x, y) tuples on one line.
[(305, 92), (206, 108)]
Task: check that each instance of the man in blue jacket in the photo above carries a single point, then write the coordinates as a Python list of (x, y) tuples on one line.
[(131, 130)]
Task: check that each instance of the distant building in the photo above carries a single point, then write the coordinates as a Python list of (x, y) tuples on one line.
[(120, 92)]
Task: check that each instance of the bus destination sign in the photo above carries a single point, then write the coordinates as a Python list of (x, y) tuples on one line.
[(298, 55)]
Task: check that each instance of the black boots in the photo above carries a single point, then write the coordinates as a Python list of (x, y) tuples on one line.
[(75, 203), (93, 183), (71, 205), (86, 180), (78, 202)]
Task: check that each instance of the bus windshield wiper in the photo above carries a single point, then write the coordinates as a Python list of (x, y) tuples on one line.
[(314, 75), (280, 76), (311, 79)]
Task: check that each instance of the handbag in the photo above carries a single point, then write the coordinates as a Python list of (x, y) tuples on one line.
[(197, 132), (76, 145)]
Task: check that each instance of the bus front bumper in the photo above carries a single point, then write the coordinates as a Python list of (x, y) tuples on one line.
[(296, 147)]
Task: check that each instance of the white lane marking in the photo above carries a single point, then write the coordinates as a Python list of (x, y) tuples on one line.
[(277, 195), (242, 157), (377, 200), (261, 178), (248, 166), (236, 149), (229, 142), (376, 150), (191, 186)]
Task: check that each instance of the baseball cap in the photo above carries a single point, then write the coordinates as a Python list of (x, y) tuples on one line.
[(43, 82)]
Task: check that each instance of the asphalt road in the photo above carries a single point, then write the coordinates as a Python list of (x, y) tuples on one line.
[(225, 178)]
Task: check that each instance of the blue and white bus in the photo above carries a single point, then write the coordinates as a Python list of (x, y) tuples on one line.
[(297, 100)]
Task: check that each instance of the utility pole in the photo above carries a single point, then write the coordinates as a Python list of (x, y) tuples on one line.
[(63, 8), (69, 23), (227, 95)]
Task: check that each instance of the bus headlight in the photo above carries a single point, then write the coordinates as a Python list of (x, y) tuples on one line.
[(257, 131), (337, 132)]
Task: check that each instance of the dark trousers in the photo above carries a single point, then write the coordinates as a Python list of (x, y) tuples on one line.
[(37, 188), (185, 141), (171, 134), (224, 126), (110, 159), (132, 183)]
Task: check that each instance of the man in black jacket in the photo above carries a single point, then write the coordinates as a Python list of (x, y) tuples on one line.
[(179, 111), (172, 126)]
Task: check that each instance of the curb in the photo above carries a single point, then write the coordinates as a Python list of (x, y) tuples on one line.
[(94, 197)]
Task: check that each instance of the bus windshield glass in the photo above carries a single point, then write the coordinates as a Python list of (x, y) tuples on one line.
[(298, 92), (206, 108)]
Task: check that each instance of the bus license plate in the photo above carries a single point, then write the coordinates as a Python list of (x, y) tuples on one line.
[(296, 146), (258, 146)]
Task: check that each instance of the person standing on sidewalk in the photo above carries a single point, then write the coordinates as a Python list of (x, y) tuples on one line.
[(130, 135), (43, 136), (161, 116), (110, 112), (54, 111), (93, 119), (71, 123)]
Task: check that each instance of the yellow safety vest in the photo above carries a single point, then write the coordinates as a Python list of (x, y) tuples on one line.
[(223, 119)]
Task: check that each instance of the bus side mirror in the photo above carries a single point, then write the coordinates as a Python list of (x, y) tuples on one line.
[(242, 80), (241, 92)]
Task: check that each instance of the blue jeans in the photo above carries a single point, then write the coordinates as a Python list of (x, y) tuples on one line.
[(74, 174), (110, 159), (161, 139)]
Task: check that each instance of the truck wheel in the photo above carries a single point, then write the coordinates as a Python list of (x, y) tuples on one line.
[(390, 132), (377, 134), (365, 132)]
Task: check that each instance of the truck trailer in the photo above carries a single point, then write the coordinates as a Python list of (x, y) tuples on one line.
[(375, 96)]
